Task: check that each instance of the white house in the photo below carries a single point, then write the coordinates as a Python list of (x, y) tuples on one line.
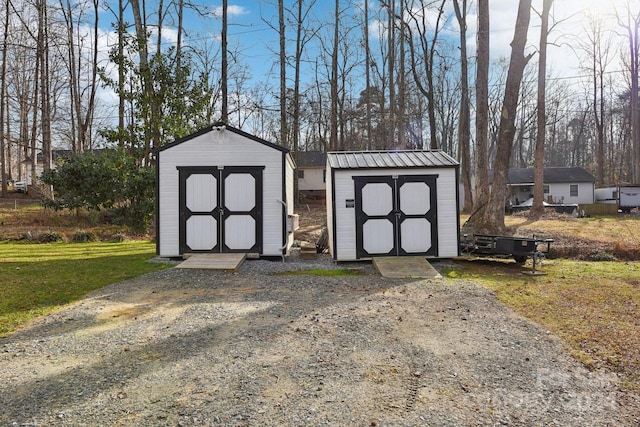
[(562, 185), (392, 203), (312, 174), (224, 190)]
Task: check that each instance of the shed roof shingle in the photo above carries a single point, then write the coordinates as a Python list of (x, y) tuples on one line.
[(312, 159)]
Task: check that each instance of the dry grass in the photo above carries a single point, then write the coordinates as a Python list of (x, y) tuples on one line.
[(595, 238), (22, 217), (592, 306)]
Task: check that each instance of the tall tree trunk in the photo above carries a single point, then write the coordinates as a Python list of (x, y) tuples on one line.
[(367, 72), (73, 68), (283, 75), (145, 73), (333, 136), (224, 71), (179, 36), (45, 92), (632, 27), (537, 208), (121, 77), (3, 94), (494, 215), (482, 112), (391, 64), (87, 121), (296, 84), (401, 119), (464, 121)]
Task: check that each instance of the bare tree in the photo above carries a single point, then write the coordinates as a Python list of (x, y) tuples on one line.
[(45, 83), (367, 68), (419, 31), (283, 74), (333, 136), (3, 94), (83, 98), (537, 207), (304, 33), (464, 122), (596, 46), (493, 219), (224, 71), (631, 24), (482, 109)]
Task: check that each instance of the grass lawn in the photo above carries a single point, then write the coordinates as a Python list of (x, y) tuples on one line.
[(38, 278), (593, 306)]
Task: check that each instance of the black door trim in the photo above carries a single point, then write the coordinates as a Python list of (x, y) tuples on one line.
[(220, 212), (396, 217)]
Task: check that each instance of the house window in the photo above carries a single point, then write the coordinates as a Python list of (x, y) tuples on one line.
[(301, 174), (324, 175), (573, 190), (546, 188)]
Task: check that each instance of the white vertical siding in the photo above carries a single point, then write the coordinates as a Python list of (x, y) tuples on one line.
[(220, 148), (344, 247)]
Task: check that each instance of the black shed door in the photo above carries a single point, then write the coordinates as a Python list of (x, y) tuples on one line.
[(396, 215), (220, 209)]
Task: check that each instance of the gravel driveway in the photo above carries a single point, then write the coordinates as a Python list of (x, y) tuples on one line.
[(193, 347)]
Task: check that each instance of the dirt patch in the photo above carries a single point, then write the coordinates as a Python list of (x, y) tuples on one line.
[(313, 219), (189, 347)]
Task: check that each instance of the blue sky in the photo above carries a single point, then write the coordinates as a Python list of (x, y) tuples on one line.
[(257, 43)]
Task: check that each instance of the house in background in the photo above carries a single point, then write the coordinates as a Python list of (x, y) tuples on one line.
[(57, 156), (562, 185), (312, 174)]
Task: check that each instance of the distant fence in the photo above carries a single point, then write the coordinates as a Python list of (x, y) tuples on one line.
[(599, 209)]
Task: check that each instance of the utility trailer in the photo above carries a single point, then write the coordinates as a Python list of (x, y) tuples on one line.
[(518, 248)]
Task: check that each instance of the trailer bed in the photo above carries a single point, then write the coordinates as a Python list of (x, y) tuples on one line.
[(519, 248)]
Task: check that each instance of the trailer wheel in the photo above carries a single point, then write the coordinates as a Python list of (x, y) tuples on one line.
[(520, 259)]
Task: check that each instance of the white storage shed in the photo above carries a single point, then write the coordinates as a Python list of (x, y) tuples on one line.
[(392, 203), (224, 190)]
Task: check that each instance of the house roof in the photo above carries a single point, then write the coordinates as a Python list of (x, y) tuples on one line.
[(551, 175), (312, 159), (389, 159), (216, 127)]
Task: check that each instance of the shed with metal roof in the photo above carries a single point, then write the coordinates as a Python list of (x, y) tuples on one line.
[(392, 203)]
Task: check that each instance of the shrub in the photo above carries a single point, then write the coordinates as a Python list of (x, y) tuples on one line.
[(118, 238), (600, 254), (111, 180), (50, 237), (81, 236)]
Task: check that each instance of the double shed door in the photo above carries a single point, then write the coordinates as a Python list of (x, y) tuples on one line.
[(220, 209), (396, 215)]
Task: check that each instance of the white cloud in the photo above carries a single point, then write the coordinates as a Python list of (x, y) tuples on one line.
[(232, 10)]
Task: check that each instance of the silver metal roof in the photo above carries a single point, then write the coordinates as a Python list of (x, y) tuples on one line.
[(389, 159)]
